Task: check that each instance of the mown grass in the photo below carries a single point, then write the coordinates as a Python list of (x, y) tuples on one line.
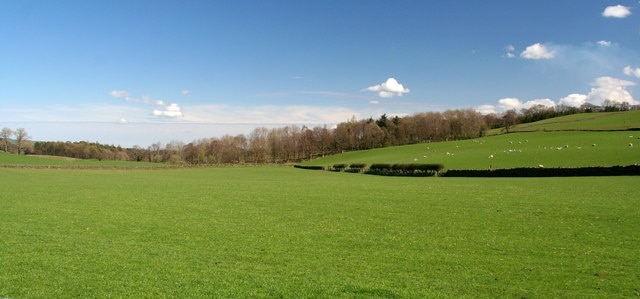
[(284, 232)]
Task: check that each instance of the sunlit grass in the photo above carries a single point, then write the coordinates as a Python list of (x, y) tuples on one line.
[(284, 232), (7, 159), (551, 149)]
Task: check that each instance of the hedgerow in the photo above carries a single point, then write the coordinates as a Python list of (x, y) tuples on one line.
[(311, 167), (546, 172), (412, 169)]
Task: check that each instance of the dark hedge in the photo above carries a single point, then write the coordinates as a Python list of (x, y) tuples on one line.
[(545, 172), (309, 167)]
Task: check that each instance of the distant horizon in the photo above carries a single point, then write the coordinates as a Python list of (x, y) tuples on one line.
[(128, 73), (182, 129)]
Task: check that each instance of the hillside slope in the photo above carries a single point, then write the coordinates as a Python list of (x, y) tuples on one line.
[(551, 143), (602, 121)]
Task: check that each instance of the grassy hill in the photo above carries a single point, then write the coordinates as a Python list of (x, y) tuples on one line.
[(570, 141), (602, 121)]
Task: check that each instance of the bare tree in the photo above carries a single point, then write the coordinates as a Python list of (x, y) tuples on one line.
[(5, 135), (22, 139)]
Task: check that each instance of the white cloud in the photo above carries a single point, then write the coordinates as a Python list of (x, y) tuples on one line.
[(510, 49), (486, 109), (603, 88), (542, 102), (172, 111), (609, 88), (119, 93), (604, 43), (574, 100), (375, 102), (508, 104), (537, 51), (616, 11), (185, 92), (388, 89), (629, 71)]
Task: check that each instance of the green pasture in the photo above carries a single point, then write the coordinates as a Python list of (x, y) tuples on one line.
[(601, 121), (29, 160), (530, 149), (283, 232)]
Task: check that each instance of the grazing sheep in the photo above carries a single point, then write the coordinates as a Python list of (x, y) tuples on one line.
[(630, 144), (490, 156), (593, 144), (540, 166)]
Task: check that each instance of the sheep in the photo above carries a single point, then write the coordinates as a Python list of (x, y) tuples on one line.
[(630, 144), (540, 166), (490, 156)]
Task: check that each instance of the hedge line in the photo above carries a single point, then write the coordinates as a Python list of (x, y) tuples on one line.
[(416, 169), (546, 172), (413, 169), (309, 167)]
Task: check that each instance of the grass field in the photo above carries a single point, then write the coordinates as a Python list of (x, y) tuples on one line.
[(30, 160), (283, 232), (601, 121), (551, 149)]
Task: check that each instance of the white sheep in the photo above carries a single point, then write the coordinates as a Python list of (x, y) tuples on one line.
[(630, 144)]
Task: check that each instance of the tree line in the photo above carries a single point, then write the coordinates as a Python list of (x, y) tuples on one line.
[(296, 143)]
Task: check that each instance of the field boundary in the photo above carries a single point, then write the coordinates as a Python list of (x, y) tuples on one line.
[(435, 170), (629, 170), (95, 167)]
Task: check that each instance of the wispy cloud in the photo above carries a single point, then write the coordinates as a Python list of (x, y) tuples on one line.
[(537, 51), (171, 111), (616, 11), (119, 94), (510, 51), (269, 114), (304, 92), (388, 89), (629, 71)]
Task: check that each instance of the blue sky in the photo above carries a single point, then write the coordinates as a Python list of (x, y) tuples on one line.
[(138, 72)]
